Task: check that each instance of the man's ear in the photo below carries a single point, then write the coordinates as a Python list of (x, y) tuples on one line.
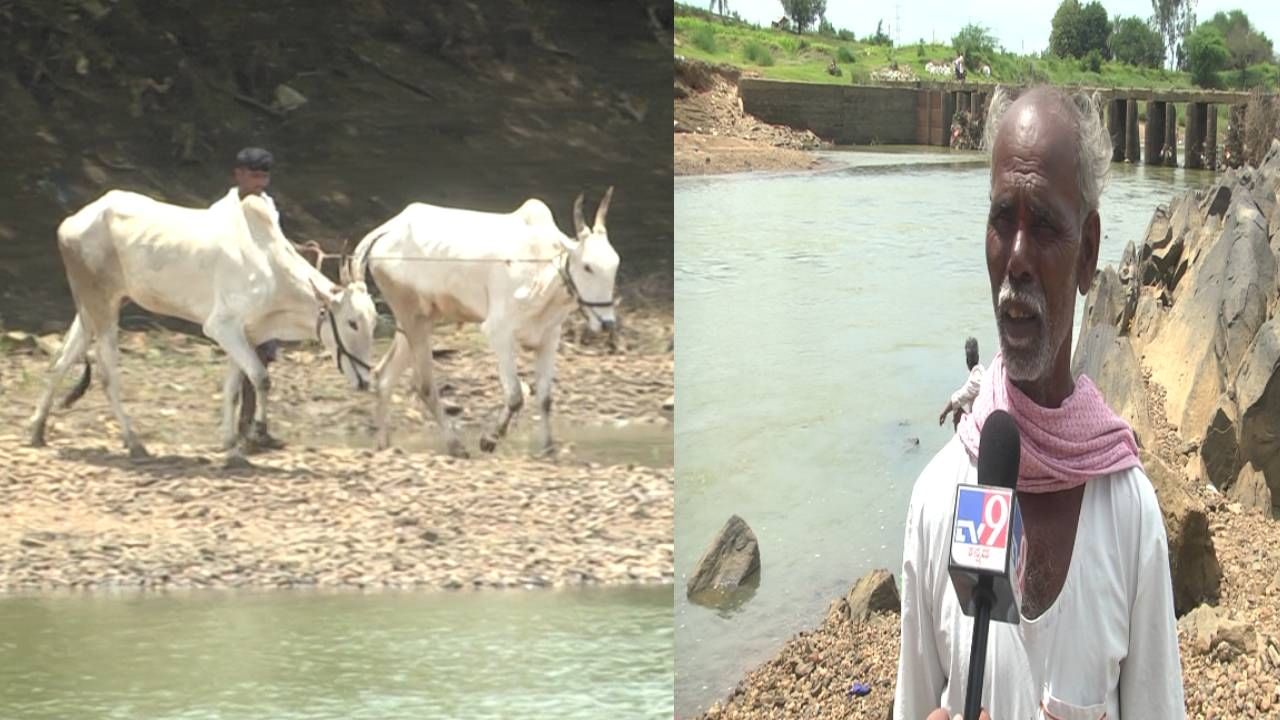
[(1090, 239)]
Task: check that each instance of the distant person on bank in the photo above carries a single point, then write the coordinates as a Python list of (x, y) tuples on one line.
[(961, 401), (1097, 635)]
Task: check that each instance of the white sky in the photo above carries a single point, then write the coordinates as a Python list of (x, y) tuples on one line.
[(1022, 27)]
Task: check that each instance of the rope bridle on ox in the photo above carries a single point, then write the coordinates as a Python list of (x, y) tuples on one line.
[(337, 339), (584, 305)]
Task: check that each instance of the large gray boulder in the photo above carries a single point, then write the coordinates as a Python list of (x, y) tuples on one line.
[(1110, 362), (1105, 302), (1258, 394), (1204, 336), (1193, 561), (1220, 446), (732, 558), (1251, 491), (874, 592)]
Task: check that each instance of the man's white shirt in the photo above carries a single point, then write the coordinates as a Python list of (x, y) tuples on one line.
[(964, 397), (1106, 647)]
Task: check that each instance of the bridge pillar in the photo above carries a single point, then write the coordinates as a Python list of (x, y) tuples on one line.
[(1195, 135), (1153, 148), (1171, 134), (948, 113), (962, 101), (1132, 148), (1115, 127), (1211, 137)]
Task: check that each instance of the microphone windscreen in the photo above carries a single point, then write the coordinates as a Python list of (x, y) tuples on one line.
[(999, 451)]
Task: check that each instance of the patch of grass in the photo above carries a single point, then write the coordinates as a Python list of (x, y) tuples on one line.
[(757, 53), (844, 55), (705, 38)]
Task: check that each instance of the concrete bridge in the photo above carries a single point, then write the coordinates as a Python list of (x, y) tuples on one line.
[(920, 114)]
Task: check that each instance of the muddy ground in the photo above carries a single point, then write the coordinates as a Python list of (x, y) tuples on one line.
[(327, 510)]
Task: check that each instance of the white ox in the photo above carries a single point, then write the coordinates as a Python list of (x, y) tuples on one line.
[(230, 269), (514, 273)]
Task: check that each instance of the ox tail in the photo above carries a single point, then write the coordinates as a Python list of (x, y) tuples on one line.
[(81, 387), (360, 256), (74, 349)]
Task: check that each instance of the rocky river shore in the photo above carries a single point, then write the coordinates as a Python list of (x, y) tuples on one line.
[(327, 511), (1184, 341)]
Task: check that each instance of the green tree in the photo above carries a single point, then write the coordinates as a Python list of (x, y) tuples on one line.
[(880, 38), (1175, 20), (804, 13), (1076, 30), (1136, 42), (1206, 54), (976, 43), (1246, 45), (1064, 32), (1095, 30)]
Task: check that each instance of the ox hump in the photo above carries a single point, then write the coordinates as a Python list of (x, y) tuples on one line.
[(534, 212)]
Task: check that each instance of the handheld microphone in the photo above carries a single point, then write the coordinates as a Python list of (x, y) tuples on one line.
[(986, 563)]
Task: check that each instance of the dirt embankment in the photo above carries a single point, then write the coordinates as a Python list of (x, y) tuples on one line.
[(327, 511), (713, 135)]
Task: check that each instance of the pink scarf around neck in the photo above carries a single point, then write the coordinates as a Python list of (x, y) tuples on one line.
[(1061, 447)]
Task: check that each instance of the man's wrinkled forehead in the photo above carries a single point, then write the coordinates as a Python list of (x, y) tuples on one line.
[(1035, 139)]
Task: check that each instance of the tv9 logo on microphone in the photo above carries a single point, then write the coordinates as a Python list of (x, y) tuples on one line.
[(981, 528)]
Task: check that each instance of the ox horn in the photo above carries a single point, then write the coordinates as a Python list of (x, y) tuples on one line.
[(603, 210), (579, 225)]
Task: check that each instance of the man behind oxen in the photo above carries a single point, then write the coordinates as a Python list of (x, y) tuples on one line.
[(252, 173), (1097, 636)]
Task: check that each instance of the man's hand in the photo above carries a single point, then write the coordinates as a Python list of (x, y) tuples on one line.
[(943, 417), (955, 418)]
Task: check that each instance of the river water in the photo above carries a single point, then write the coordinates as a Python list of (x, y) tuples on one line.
[(820, 323), (298, 655)]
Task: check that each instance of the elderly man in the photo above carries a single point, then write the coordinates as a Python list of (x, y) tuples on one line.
[(961, 401), (1097, 636)]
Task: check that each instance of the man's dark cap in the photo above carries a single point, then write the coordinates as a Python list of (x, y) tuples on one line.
[(254, 158)]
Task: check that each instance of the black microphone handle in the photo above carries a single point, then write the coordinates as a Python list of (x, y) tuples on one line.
[(982, 600)]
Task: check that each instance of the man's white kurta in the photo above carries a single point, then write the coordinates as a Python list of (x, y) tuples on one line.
[(964, 397), (1107, 646)]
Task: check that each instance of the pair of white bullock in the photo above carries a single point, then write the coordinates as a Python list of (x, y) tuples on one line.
[(232, 271)]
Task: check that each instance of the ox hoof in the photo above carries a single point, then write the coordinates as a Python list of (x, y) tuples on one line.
[(138, 452), (237, 461), (456, 449), (546, 450), (37, 438), (488, 443)]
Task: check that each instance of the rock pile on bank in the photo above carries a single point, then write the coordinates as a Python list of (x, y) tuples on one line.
[(707, 103)]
